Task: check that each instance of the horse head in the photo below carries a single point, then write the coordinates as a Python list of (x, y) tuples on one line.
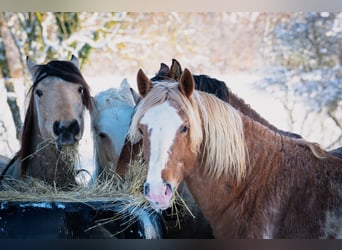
[(59, 96), (166, 128), (110, 121)]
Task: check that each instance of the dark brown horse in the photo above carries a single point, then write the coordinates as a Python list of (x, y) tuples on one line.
[(249, 181), (53, 124)]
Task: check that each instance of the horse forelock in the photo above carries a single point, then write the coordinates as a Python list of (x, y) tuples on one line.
[(161, 92), (214, 126), (110, 97)]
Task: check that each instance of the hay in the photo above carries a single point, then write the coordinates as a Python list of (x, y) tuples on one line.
[(125, 194), (70, 156), (111, 188)]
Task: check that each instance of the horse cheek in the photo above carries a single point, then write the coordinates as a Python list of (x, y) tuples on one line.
[(174, 172)]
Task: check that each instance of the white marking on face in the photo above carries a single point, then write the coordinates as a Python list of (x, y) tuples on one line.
[(162, 122)]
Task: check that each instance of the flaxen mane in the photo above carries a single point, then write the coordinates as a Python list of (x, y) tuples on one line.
[(222, 157)]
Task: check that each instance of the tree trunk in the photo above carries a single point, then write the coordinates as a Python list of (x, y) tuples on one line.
[(10, 67)]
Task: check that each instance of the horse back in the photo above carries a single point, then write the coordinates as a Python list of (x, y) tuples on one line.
[(313, 208)]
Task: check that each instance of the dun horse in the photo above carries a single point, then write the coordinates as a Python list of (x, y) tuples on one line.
[(249, 181), (53, 124)]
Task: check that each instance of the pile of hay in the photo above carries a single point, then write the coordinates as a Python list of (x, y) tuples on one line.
[(111, 188), (125, 194)]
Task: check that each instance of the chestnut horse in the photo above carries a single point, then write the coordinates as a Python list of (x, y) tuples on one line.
[(53, 124), (258, 184)]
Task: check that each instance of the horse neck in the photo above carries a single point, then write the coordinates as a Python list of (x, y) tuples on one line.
[(276, 166), (226, 200), (240, 105)]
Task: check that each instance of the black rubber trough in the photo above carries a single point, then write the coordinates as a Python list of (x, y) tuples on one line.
[(77, 220)]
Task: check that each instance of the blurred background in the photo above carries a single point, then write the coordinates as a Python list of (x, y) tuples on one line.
[(287, 66)]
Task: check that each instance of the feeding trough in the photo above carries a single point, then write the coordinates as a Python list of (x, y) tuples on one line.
[(111, 208), (75, 220)]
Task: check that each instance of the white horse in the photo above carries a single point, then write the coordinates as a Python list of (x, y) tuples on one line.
[(111, 116)]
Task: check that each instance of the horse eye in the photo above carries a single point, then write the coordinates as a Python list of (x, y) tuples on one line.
[(184, 129), (81, 90), (140, 131), (38, 92), (102, 135)]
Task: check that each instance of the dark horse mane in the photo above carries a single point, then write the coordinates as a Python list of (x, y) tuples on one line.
[(65, 70)]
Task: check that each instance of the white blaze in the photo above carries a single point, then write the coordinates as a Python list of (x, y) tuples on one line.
[(162, 122)]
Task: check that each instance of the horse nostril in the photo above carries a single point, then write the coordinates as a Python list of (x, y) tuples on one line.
[(56, 128), (168, 189), (146, 189), (74, 127)]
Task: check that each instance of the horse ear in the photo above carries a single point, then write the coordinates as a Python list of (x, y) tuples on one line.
[(176, 70), (144, 84), (124, 84), (31, 66), (125, 88), (164, 70), (75, 61), (186, 83)]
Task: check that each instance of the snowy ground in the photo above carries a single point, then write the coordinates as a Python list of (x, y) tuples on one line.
[(268, 106)]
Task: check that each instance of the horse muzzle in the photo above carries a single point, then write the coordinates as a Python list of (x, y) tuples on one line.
[(159, 195), (67, 133)]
